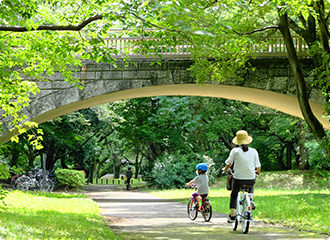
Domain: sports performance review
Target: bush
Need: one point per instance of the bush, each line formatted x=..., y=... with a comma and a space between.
x=70, y=178
x=175, y=170
x=316, y=157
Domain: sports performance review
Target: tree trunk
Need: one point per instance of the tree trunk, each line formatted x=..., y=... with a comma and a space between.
x=280, y=160
x=50, y=161
x=63, y=164
x=91, y=171
x=323, y=24
x=31, y=160
x=289, y=148
x=312, y=122
x=116, y=165
x=301, y=143
x=137, y=165
x=14, y=157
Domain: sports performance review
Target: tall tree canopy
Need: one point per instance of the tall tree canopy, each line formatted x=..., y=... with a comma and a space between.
x=38, y=38
x=220, y=32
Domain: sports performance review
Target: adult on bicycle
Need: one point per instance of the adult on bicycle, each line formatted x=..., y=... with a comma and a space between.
x=246, y=161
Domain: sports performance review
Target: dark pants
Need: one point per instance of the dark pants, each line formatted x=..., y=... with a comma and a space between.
x=195, y=194
x=236, y=187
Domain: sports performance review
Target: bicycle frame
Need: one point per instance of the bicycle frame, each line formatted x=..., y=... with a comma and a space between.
x=204, y=207
x=241, y=198
x=243, y=211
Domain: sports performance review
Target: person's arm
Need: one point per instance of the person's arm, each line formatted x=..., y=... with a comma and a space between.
x=257, y=163
x=190, y=183
x=258, y=171
x=229, y=162
x=225, y=169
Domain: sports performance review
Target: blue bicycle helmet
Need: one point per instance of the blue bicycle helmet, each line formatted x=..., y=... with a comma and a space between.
x=202, y=166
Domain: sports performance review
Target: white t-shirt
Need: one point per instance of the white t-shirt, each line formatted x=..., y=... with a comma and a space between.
x=245, y=163
x=202, y=182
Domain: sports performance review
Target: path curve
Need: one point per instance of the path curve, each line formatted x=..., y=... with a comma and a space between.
x=139, y=215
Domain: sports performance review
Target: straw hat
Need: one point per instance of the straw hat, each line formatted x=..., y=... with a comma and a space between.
x=242, y=137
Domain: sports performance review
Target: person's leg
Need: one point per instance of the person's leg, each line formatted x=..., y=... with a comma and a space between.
x=194, y=196
x=233, y=197
x=203, y=196
x=251, y=190
x=194, y=199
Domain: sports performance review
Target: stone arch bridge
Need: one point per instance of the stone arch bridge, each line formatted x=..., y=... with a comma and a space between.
x=270, y=85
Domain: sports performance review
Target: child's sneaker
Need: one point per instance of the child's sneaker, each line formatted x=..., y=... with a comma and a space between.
x=231, y=219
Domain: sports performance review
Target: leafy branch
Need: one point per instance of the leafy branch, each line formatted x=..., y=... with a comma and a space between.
x=256, y=30
x=53, y=27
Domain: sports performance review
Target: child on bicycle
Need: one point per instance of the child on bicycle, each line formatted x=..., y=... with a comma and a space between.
x=202, y=183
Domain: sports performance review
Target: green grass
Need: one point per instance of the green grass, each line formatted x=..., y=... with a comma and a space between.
x=290, y=180
x=307, y=210
x=51, y=216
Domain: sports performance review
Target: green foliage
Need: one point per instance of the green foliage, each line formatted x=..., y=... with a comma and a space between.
x=68, y=178
x=4, y=170
x=3, y=194
x=4, y=174
x=46, y=52
x=148, y=129
x=317, y=159
x=294, y=179
x=175, y=170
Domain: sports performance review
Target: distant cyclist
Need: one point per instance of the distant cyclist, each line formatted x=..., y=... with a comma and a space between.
x=246, y=161
x=129, y=174
x=202, y=182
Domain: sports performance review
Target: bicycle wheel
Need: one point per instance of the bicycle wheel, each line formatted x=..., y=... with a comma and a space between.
x=245, y=218
x=49, y=185
x=245, y=226
x=13, y=181
x=235, y=224
x=192, y=209
x=207, y=212
x=23, y=183
x=24, y=186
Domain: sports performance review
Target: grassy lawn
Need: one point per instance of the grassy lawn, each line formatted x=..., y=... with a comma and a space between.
x=307, y=210
x=51, y=216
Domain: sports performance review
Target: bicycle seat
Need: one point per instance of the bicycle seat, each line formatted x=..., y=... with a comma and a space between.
x=245, y=188
x=205, y=199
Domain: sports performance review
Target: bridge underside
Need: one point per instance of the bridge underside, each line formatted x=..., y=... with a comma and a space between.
x=281, y=102
x=284, y=103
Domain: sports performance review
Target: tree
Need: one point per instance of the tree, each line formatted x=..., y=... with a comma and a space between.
x=220, y=32
x=53, y=33
x=39, y=38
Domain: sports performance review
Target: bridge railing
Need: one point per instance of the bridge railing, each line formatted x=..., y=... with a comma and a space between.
x=132, y=46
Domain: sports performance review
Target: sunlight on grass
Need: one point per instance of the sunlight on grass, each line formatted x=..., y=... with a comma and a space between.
x=302, y=209
x=33, y=216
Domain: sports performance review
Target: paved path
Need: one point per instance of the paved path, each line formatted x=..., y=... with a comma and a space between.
x=137, y=215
